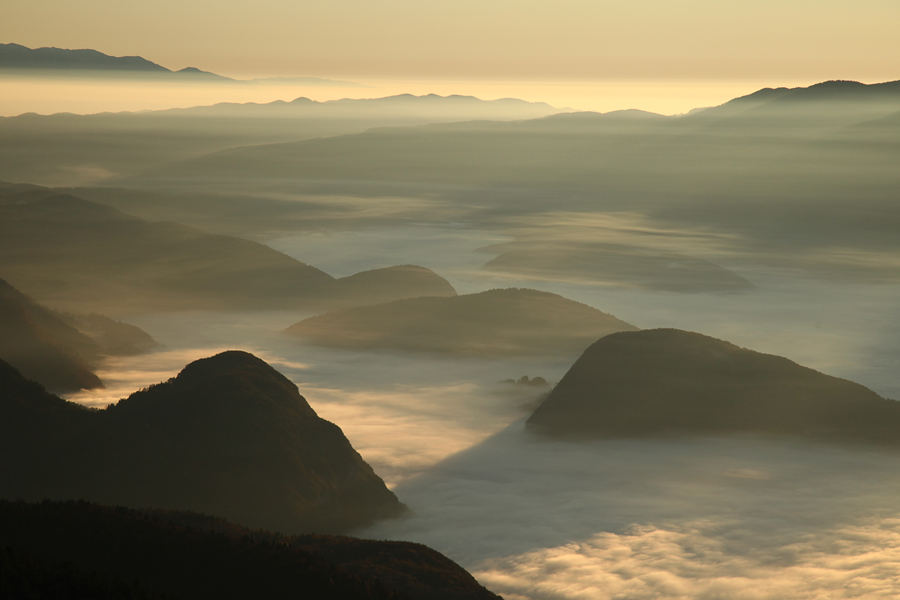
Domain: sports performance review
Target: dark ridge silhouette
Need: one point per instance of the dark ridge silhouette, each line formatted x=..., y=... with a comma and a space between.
x=15, y=56
x=189, y=556
x=671, y=382
x=59, y=349
x=18, y=57
x=493, y=323
x=43, y=346
x=228, y=436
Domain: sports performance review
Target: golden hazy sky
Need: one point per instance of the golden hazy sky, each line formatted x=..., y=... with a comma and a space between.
x=491, y=39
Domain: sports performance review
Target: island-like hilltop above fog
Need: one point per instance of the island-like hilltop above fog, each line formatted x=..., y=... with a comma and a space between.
x=664, y=382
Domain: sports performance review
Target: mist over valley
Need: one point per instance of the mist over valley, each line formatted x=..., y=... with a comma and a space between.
x=576, y=354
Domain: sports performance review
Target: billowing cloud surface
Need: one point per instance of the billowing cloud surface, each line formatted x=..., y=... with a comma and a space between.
x=714, y=518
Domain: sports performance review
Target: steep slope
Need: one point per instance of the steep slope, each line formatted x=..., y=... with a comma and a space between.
x=666, y=381
x=42, y=345
x=85, y=256
x=228, y=436
x=493, y=323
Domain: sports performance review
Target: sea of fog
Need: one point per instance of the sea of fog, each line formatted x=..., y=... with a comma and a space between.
x=538, y=519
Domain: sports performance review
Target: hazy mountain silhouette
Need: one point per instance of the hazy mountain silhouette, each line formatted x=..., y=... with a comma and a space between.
x=493, y=323
x=228, y=436
x=830, y=103
x=154, y=554
x=59, y=349
x=668, y=382
x=770, y=177
x=67, y=149
x=386, y=285
x=16, y=56
x=83, y=255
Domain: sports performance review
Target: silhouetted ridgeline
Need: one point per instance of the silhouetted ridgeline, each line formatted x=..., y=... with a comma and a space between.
x=228, y=436
x=86, y=256
x=18, y=57
x=58, y=349
x=666, y=381
x=119, y=553
x=493, y=323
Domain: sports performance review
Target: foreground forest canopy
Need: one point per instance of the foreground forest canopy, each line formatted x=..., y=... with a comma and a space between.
x=105, y=552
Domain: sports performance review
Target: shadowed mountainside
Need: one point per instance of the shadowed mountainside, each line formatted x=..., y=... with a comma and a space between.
x=189, y=556
x=666, y=381
x=493, y=323
x=80, y=255
x=228, y=436
x=58, y=349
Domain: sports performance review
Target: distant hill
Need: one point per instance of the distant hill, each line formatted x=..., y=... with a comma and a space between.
x=493, y=323
x=386, y=285
x=671, y=382
x=18, y=57
x=228, y=436
x=119, y=554
x=59, y=349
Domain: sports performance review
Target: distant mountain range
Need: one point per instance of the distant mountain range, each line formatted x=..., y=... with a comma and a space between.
x=15, y=56
x=664, y=382
x=229, y=436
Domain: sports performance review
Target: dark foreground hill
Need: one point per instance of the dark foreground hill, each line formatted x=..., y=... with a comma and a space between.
x=666, y=381
x=493, y=323
x=72, y=547
x=228, y=436
x=58, y=349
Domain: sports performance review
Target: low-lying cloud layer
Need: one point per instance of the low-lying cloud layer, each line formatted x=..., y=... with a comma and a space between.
x=710, y=518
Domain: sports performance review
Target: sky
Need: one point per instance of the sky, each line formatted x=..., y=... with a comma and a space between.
x=657, y=55
x=484, y=39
